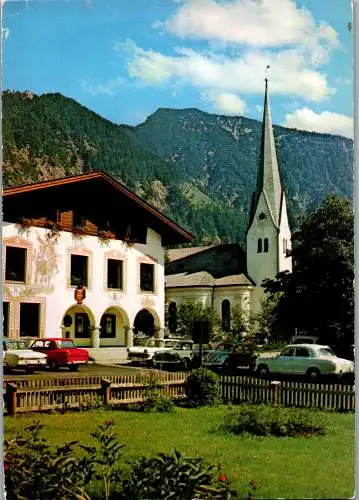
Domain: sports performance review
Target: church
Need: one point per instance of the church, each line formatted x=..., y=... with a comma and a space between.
x=225, y=276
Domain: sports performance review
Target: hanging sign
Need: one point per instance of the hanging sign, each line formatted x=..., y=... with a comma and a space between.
x=80, y=294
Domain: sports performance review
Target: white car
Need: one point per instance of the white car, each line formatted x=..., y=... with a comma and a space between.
x=17, y=356
x=312, y=360
x=145, y=348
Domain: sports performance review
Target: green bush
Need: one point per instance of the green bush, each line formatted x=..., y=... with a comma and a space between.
x=171, y=477
x=35, y=471
x=264, y=420
x=203, y=388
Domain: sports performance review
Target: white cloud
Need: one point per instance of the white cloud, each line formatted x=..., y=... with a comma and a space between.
x=242, y=74
x=327, y=121
x=229, y=104
x=5, y=33
x=109, y=88
x=260, y=23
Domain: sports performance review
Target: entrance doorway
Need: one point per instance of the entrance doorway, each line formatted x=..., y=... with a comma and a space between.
x=144, y=323
x=29, y=319
x=5, y=318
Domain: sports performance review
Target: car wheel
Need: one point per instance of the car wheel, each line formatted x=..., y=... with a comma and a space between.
x=313, y=374
x=29, y=370
x=74, y=368
x=263, y=371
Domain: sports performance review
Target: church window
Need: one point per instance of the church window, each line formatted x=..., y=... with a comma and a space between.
x=262, y=216
x=285, y=245
x=172, y=317
x=226, y=315
x=259, y=248
x=266, y=245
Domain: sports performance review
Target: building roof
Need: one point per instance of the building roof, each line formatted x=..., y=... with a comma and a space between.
x=99, y=192
x=268, y=174
x=182, y=253
x=201, y=278
x=204, y=279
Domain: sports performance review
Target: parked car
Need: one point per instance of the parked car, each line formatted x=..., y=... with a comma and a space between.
x=61, y=352
x=18, y=356
x=311, y=360
x=183, y=355
x=145, y=348
x=229, y=357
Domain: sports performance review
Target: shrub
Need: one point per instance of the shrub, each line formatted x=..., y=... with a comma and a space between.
x=170, y=476
x=264, y=420
x=202, y=388
x=34, y=471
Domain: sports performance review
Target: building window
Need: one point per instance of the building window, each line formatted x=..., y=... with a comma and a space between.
x=266, y=245
x=115, y=274
x=226, y=315
x=78, y=220
x=147, y=275
x=5, y=318
x=29, y=319
x=172, y=317
x=82, y=326
x=259, y=247
x=108, y=326
x=79, y=270
x=15, y=266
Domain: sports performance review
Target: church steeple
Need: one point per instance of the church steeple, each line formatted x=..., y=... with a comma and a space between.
x=268, y=174
x=268, y=236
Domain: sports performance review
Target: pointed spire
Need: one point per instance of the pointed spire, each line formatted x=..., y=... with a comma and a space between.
x=268, y=174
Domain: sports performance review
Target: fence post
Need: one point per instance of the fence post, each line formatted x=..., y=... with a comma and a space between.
x=106, y=390
x=11, y=401
x=276, y=386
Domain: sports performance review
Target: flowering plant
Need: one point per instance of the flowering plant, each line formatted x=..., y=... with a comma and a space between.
x=79, y=231
x=24, y=225
x=54, y=229
x=105, y=235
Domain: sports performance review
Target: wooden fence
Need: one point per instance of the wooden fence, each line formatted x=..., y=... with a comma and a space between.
x=288, y=393
x=34, y=395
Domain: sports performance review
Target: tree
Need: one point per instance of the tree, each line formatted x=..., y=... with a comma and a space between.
x=191, y=311
x=317, y=298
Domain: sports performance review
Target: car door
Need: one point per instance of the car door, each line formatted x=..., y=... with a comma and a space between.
x=301, y=360
x=284, y=362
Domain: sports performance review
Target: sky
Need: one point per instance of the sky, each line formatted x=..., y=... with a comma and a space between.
x=124, y=59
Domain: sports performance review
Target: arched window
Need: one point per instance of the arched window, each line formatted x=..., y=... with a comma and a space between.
x=259, y=248
x=265, y=245
x=172, y=317
x=285, y=245
x=226, y=315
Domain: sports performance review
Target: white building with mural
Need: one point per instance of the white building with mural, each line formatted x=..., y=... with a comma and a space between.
x=83, y=257
x=224, y=276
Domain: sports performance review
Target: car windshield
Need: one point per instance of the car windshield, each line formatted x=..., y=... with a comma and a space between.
x=326, y=351
x=15, y=346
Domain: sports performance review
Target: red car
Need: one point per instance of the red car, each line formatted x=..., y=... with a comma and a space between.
x=61, y=352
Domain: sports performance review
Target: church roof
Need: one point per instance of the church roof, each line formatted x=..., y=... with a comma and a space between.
x=204, y=279
x=268, y=173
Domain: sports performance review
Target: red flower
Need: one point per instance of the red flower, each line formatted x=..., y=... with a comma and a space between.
x=223, y=478
x=108, y=422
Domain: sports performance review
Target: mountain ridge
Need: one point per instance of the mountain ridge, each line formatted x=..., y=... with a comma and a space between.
x=198, y=168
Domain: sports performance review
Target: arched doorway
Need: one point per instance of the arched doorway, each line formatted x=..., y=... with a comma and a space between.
x=113, y=325
x=78, y=323
x=144, y=323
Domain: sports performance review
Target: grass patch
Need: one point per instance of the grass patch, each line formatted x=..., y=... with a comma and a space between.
x=315, y=467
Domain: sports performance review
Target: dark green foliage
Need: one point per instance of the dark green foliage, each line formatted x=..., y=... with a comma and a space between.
x=203, y=387
x=318, y=297
x=199, y=169
x=264, y=420
x=35, y=471
x=105, y=456
x=168, y=477
x=192, y=311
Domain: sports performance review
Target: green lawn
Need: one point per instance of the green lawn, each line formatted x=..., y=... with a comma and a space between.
x=291, y=468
